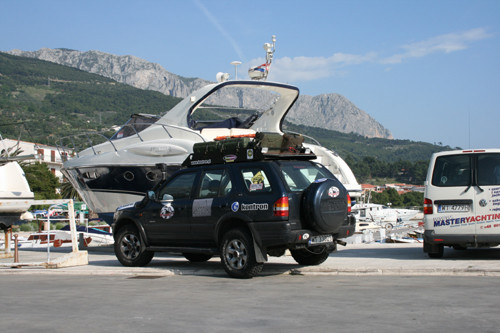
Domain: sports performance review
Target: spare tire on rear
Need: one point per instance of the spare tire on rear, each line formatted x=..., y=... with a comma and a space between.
x=324, y=205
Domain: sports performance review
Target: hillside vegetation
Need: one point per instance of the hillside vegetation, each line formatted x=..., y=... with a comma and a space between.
x=54, y=101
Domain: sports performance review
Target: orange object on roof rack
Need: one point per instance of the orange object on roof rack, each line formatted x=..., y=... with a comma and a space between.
x=225, y=137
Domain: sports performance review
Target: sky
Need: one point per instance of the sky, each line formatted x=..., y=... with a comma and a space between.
x=426, y=70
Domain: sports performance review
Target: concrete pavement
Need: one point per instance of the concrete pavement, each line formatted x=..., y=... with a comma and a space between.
x=354, y=259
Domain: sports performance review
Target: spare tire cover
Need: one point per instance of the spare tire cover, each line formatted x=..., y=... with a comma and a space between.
x=324, y=205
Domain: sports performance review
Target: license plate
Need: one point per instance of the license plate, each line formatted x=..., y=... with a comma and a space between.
x=453, y=208
x=321, y=239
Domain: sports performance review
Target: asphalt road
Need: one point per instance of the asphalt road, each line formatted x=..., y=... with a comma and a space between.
x=276, y=303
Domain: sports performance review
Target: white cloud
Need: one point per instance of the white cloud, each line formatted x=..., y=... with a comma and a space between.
x=440, y=44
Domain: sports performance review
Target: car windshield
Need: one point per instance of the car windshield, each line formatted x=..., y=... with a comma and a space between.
x=300, y=174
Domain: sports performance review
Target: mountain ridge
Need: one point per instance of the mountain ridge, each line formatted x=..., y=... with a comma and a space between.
x=329, y=111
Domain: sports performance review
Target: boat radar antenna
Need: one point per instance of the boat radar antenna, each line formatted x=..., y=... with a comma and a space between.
x=261, y=72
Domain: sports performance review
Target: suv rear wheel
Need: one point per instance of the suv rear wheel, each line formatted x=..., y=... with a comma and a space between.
x=238, y=254
x=310, y=257
x=129, y=248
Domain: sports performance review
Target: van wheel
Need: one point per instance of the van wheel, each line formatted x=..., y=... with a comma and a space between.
x=434, y=251
x=129, y=248
x=238, y=254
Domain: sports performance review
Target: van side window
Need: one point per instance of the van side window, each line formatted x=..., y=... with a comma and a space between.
x=452, y=170
x=488, y=169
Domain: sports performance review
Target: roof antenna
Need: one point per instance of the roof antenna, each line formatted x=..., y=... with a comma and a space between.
x=235, y=64
x=261, y=72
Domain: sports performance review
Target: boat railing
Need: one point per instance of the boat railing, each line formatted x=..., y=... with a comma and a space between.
x=316, y=142
x=69, y=145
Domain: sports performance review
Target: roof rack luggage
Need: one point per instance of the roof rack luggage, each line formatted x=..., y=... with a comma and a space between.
x=249, y=147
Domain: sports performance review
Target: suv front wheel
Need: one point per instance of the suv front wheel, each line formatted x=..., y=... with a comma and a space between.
x=129, y=248
x=238, y=254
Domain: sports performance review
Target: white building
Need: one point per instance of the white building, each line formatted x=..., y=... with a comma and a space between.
x=45, y=154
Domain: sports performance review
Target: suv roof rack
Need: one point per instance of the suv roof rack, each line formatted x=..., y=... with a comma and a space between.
x=250, y=147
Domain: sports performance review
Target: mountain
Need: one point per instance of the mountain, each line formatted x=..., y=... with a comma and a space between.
x=334, y=111
x=328, y=111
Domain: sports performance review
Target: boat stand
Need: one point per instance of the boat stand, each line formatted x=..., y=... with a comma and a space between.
x=74, y=258
x=7, y=252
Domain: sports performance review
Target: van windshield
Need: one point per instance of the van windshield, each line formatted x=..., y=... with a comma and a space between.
x=463, y=169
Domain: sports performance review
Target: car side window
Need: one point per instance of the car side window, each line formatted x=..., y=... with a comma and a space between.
x=256, y=180
x=211, y=184
x=180, y=187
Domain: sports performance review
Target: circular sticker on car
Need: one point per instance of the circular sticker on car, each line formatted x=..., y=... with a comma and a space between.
x=235, y=206
x=167, y=212
x=333, y=192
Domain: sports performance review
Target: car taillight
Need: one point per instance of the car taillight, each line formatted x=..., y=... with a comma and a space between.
x=280, y=207
x=428, y=206
x=348, y=203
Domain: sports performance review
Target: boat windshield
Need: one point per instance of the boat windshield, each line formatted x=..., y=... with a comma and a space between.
x=136, y=124
x=233, y=107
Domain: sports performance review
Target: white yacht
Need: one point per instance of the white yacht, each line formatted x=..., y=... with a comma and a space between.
x=124, y=167
x=382, y=215
x=15, y=194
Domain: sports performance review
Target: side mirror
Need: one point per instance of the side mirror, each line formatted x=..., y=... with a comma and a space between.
x=167, y=198
x=151, y=195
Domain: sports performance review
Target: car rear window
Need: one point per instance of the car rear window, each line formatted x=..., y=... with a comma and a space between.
x=256, y=180
x=488, y=169
x=299, y=175
x=452, y=170
x=460, y=170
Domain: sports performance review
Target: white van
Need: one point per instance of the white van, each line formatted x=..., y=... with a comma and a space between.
x=462, y=200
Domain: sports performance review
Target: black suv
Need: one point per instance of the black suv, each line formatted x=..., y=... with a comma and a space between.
x=242, y=211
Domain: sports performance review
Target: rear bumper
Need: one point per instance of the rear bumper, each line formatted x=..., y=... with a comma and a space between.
x=277, y=233
x=465, y=240
x=347, y=228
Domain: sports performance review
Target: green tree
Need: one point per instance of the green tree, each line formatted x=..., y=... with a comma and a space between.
x=411, y=199
x=388, y=196
x=69, y=192
x=42, y=182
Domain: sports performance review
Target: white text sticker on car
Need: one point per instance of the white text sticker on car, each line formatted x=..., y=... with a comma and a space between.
x=202, y=207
